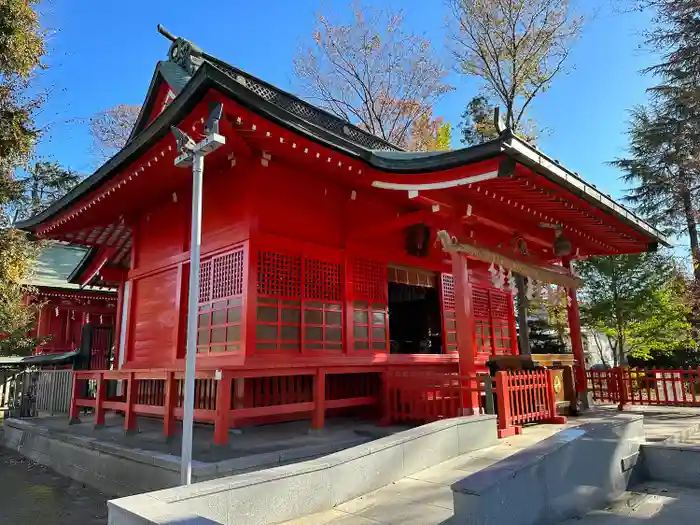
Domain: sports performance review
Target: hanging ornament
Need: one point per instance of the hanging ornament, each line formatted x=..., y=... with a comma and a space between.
x=512, y=284
x=501, y=277
x=100, y=319
x=493, y=272
x=56, y=310
x=87, y=318
x=72, y=315
x=494, y=275
x=530, y=289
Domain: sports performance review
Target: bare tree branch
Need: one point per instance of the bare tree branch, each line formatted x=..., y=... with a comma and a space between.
x=372, y=72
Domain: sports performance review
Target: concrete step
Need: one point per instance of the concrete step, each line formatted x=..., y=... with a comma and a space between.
x=652, y=503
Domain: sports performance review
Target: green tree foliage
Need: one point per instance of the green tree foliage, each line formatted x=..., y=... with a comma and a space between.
x=477, y=124
x=515, y=47
x=636, y=301
x=42, y=184
x=372, y=71
x=444, y=137
x=21, y=50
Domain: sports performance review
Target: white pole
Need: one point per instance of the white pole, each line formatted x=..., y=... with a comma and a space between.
x=192, y=313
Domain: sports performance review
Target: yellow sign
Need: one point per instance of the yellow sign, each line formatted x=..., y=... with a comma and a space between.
x=557, y=384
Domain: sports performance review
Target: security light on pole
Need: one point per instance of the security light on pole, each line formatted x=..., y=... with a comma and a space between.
x=192, y=154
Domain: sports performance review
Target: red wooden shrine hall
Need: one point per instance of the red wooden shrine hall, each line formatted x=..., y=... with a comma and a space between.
x=319, y=241
x=67, y=313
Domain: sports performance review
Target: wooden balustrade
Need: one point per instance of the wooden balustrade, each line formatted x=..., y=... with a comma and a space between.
x=416, y=396
x=525, y=396
x=226, y=400
x=641, y=386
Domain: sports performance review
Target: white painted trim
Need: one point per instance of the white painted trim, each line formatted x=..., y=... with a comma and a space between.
x=435, y=185
x=122, y=326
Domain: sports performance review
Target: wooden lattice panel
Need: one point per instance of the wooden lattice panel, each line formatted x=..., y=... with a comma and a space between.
x=205, y=282
x=227, y=278
x=369, y=280
x=279, y=275
x=480, y=298
x=500, y=305
x=448, y=291
x=322, y=280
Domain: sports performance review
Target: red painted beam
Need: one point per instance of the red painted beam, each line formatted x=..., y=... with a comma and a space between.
x=112, y=274
x=95, y=265
x=400, y=222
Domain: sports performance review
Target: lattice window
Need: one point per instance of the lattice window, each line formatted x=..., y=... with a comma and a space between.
x=221, y=303
x=279, y=275
x=480, y=298
x=321, y=280
x=205, y=281
x=500, y=304
x=369, y=280
x=448, y=291
x=219, y=326
x=482, y=329
x=449, y=320
x=323, y=326
x=502, y=338
x=370, y=328
x=227, y=278
x=278, y=324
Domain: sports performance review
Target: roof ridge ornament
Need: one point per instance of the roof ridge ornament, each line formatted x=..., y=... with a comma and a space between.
x=183, y=52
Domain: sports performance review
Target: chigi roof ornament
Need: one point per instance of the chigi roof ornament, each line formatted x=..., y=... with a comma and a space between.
x=182, y=52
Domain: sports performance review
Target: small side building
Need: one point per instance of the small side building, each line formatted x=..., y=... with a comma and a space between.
x=71, y=316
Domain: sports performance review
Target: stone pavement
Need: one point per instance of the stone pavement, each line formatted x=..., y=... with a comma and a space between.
x=251, y=440
x=653, y=503
x=31, y=494
x=425, y=498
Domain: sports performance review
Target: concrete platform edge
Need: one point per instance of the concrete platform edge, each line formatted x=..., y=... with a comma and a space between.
x=292, y=491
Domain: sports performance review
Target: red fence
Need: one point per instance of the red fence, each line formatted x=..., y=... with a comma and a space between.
x=639, y=386
x=415, y=396
x=525, y=396
x=226, y=401
x=232, y=398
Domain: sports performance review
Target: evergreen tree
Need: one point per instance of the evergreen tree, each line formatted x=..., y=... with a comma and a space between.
x=477, y=124
x=41, y=185
x=21, y=50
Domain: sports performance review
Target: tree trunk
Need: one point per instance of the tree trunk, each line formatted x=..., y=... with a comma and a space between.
x=690, y=217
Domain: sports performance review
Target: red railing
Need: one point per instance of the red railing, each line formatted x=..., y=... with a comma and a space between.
x=226, y=398
x=640, y=386
x=525, y=396
x=414, y=396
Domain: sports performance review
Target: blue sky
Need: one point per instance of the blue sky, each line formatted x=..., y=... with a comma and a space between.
x=103, y=53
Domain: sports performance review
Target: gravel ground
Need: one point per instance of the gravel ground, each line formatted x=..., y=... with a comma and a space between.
x=31, y=494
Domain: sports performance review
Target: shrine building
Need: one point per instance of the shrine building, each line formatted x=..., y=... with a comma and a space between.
x=326, y=251
x=69, y=313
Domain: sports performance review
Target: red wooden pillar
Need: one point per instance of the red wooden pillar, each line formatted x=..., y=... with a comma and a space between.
x=129, y=414
x=464, y=313
x=575, y=331
x=99, y=401
x=223, y=406
x=170, y=403
x=319, y=400
x=75, y=393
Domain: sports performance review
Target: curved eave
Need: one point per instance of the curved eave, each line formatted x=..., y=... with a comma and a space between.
x=211, y=77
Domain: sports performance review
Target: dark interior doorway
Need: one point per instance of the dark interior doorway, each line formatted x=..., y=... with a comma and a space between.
x=414, y=319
